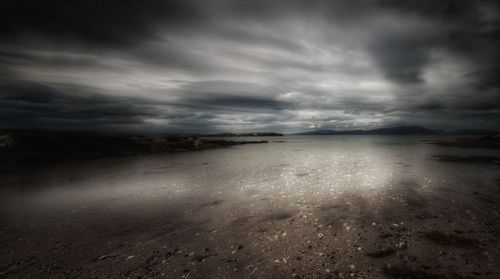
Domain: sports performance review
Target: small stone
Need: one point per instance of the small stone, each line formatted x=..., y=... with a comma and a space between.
x=103, y=257
x=402, y=245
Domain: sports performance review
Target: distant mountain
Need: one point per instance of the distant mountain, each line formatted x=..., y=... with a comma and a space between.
x=403, y=130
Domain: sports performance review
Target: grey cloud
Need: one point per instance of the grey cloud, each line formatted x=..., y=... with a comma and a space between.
x=31, y=105
x=245, y=65
x=401, y=60
x=107, y=22
x=234, y=103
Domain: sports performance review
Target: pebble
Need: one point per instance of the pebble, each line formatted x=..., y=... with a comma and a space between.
x=402, y=245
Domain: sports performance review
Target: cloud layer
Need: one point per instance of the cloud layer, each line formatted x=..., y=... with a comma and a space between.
x=209, y=66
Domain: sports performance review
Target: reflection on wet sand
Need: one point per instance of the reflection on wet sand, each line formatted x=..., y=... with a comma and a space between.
x=339, y=208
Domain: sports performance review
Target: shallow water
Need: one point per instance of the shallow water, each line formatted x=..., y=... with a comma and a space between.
x=270, y=201
x=301, y=169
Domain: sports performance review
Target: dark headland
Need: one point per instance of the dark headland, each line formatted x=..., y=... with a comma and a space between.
x=28, y=146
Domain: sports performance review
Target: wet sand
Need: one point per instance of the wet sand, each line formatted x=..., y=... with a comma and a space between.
x=381, y=209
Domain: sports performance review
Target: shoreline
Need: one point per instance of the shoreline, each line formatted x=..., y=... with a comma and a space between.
x=32, y=147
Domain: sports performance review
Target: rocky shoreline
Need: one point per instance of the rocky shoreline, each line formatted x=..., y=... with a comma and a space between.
x=49, y=146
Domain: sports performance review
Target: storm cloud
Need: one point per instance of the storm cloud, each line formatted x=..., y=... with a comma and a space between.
x=285, y=66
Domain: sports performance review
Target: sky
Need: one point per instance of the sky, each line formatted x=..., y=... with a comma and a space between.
x=243, y=66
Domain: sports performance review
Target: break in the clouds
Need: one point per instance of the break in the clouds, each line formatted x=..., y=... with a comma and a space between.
x=208, y=66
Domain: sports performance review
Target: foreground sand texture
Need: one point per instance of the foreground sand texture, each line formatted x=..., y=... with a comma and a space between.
x=309, y=207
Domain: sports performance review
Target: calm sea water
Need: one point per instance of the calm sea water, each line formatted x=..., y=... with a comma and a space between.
x=287, y=170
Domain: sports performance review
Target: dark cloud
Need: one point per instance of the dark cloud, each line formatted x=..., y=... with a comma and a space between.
x=108, y=22
x=30, y=105
x=245, y=65
x=487, y=78
x=430, y=105
x=401, y=59
x=234, y=103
